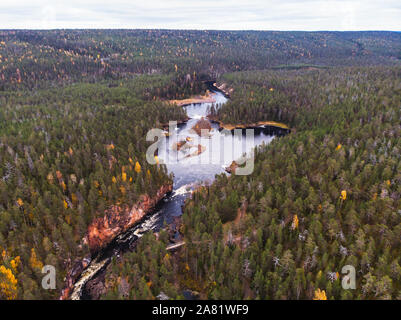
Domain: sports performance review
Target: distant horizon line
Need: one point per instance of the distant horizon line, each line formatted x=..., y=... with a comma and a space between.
x=183, y=29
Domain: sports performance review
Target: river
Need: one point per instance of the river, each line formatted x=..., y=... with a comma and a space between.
x=188, y=172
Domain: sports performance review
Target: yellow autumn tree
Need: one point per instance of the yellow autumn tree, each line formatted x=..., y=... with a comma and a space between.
x=122, y=189
x=34, y=261
x=343, y=195
x=124, y=176
x=74, y=198
x=339, y=146
x=8, y=284
x=15, y=263
x=320, y=295
x=137, y=167
x=20, y=202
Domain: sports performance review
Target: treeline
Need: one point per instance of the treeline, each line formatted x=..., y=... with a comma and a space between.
x=301, y=98
x=43, y=58
x=319, y=199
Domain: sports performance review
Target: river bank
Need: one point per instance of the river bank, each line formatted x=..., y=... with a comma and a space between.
x=208, y=97
x=101, y=237
x=250, y=125
x=119, y=229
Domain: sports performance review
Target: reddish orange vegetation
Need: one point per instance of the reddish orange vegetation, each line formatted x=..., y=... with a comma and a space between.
x=201, y=125
x=119, y=219
x=178, y=145
x=103, y=230
x=232, y=167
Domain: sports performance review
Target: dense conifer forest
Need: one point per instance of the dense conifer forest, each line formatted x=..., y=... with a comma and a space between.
x=75, y=107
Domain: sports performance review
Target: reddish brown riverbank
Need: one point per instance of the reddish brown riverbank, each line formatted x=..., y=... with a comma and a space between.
x=102, y=231
x=119, y=219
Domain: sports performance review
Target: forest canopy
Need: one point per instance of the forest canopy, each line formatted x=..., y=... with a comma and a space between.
x=75, y=107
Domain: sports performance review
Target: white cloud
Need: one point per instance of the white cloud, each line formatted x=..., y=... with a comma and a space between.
x=205, y=14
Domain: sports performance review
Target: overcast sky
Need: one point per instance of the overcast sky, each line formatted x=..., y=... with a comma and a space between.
x=203, y=14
